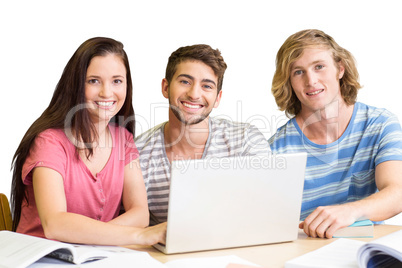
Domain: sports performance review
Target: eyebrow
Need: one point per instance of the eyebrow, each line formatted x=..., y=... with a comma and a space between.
x=313, y=63
x=97, y=76
x=205, y=80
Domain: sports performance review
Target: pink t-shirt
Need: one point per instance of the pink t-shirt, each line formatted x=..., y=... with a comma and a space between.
x=97, y=197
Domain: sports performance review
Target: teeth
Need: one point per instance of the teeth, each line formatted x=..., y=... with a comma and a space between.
x=104, y=103
x=315, y=92
x=191, y=106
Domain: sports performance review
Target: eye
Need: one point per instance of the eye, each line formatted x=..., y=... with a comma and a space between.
x=184, y=82
x=319, y=67
x=208, y=87
x=93, y=81
x=298, y=72
x=117, y=81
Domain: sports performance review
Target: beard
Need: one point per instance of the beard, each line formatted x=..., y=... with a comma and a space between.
x=195, y=119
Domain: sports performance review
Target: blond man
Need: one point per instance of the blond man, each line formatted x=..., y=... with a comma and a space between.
x=354, y=166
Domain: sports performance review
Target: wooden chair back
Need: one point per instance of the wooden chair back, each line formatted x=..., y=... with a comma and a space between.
x=6, y=221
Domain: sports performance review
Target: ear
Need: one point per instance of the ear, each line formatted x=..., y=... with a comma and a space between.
x=165, y=88
x=341, y=71
x=218, y=99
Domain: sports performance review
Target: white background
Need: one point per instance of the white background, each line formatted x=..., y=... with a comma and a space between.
x=39, y=37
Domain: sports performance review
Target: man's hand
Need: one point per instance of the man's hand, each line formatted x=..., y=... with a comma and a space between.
x=324, y=221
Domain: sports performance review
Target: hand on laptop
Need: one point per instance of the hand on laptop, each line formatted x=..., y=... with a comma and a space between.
x=324, y=221
x=154, y=234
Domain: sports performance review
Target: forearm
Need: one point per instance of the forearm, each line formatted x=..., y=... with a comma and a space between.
x=65, y=226
x=381, y=205
x=387, y=202
x=134, y=198
x=75, y=228
x=135, y=217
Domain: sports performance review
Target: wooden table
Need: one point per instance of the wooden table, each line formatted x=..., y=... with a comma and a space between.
x=273, y=255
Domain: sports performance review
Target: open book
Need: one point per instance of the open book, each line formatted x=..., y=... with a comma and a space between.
x=382, y=252
x=144, y=260
x=20, y=251
x=385, y=251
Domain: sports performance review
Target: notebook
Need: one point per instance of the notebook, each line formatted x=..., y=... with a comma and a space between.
x=220, y=203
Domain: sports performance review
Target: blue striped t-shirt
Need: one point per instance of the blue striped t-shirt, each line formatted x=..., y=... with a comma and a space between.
x=343, y=171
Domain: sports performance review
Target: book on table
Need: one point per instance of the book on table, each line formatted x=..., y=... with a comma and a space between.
x=364, y=228
x=20, y=251
x=385, y=251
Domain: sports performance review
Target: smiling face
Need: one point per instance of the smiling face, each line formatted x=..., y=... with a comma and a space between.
x=105, y=87
x=192, y=92
x=315, y=79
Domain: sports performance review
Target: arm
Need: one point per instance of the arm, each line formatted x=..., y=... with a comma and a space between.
x=254, y=142
x=134, y=198
x=385, y=203
x=61, y=225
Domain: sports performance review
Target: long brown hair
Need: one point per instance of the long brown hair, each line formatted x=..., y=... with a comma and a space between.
x=70, y=92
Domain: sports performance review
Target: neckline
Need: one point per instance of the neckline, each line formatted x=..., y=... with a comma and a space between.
x=162, y=130
x=96, y=176
x=335, y=143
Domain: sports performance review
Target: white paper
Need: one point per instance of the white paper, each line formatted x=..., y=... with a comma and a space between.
x=340, y=253
x=120, y=260
x=210, y=262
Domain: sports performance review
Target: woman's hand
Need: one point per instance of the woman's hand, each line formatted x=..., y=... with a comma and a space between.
x=153, y=235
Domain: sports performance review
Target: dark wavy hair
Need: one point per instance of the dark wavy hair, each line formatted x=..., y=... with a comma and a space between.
x=70, y=92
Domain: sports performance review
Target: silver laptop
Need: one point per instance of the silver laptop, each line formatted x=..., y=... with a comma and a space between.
x=234, y=202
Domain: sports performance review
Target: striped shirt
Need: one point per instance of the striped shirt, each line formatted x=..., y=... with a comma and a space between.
x=225, y=139
x=343, y=171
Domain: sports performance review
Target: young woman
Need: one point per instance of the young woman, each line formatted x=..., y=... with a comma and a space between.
x=77, y=163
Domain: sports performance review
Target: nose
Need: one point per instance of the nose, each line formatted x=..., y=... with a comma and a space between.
x=310, y=79
x=194, y=92
x=106, y=91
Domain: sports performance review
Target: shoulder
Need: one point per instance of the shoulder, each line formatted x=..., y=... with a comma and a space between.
x=286, y=130
x=237, y=138
x=53, y=136
x=234, y=131
x=51, y=148
x=150, y=138
x=368, y=112
x=53, y=133
x=241, y=134
x=375, y=118
x=288, y=138
x=381, y=128
x=220, y=124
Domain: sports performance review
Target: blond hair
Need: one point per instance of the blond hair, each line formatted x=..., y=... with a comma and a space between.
x=292, y=50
